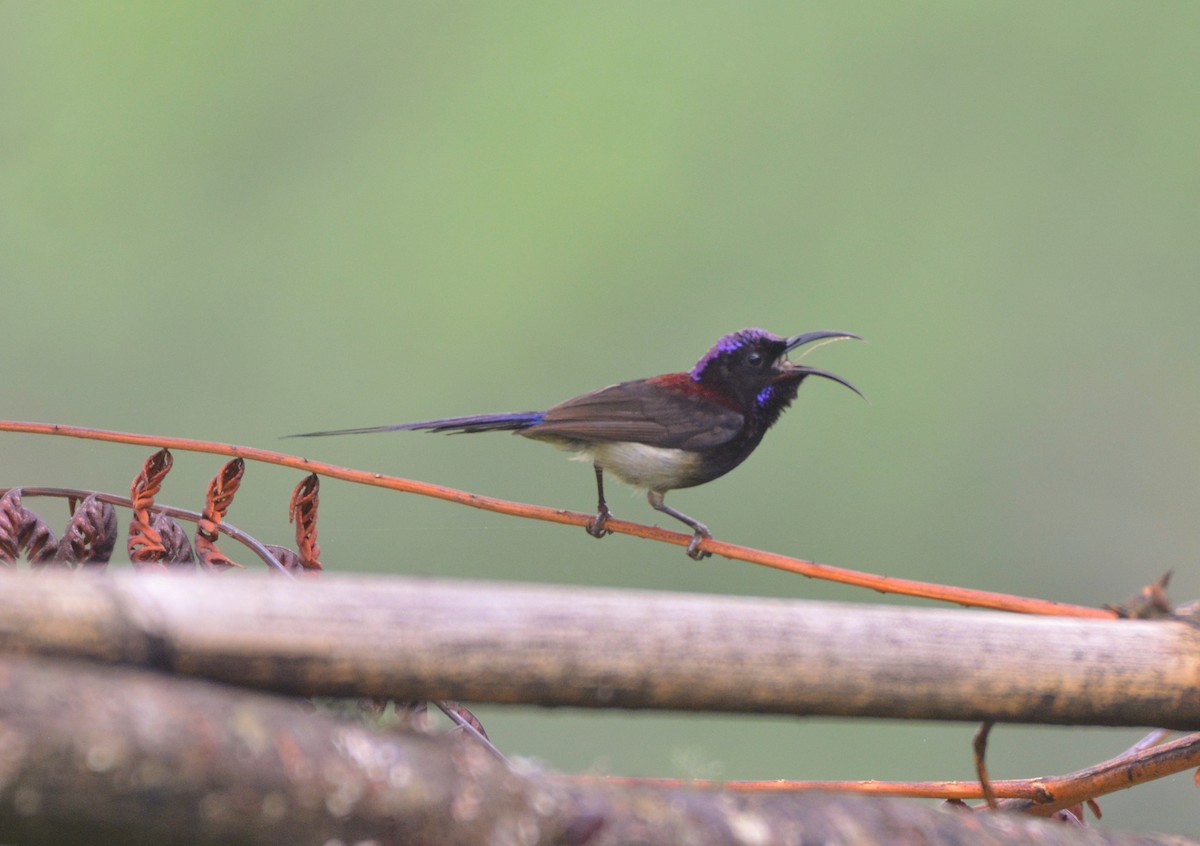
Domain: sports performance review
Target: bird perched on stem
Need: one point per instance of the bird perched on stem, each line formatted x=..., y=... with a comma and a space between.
x=673, y=431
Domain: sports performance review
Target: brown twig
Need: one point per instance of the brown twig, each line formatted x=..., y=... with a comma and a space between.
x=179, y=555
x=1150, y=603
x=266, y=552
x=1120, y=773
x=91, y=535
x=145, y=544
x=303, y=512
x=1041, y=796
x=883, y=584
x=979, y=744
x=21, y=530
x=220, y=495
x=468, y=724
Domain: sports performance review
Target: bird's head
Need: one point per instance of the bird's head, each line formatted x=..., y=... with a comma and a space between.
x=752, y=367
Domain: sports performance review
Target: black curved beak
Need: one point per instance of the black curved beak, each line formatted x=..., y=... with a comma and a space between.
x=823, y=335
x=792, y=370
x=804, y=370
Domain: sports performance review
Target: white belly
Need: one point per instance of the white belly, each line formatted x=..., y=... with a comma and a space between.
x=646, y=467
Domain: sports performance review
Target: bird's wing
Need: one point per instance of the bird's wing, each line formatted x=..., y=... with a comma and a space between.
x=654, y=412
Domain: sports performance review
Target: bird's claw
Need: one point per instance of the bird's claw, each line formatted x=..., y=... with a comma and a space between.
x=596, y=526
x=693, y=549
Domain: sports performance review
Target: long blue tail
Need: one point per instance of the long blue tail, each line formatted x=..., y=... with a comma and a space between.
x=454, y=425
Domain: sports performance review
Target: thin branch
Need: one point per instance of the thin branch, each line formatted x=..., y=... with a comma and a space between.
x=1120, y=773
x=979, y=744
x=884, y=584
x=1041, y=796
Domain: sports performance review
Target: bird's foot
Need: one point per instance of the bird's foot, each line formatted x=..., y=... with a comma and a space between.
x=596, y=526
x=693, y=549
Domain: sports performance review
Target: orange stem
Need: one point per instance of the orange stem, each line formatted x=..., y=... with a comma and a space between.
x=811, y=569
x=1047, y=794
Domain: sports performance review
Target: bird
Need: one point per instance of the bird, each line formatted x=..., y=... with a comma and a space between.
x=677, y=430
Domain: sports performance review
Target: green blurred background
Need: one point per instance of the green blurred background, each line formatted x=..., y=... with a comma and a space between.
x=233, y=222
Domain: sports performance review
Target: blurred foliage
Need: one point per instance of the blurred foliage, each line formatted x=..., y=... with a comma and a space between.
x=236, y=221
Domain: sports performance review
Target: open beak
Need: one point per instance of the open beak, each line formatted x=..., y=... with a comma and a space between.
x=790, y=370
x=823, y=335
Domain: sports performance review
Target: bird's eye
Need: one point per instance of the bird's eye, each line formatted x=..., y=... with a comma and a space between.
x=754, y=359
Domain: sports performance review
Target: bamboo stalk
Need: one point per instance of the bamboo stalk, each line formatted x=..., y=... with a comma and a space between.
x=558, y=646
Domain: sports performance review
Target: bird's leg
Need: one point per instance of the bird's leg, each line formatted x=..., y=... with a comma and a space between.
x=699, y=529
x=595, y=526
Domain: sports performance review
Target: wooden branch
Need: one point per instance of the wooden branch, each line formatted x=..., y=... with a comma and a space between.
x=97, y=754
x=92, y=754
x=506, y=643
